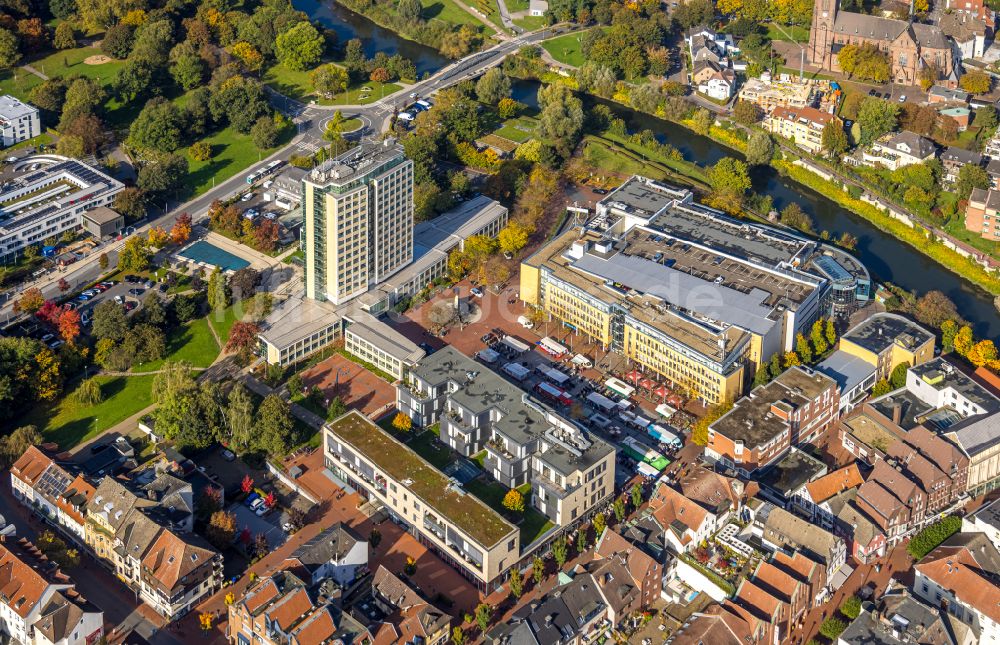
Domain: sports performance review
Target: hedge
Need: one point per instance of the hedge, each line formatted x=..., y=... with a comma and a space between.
x=930, y=537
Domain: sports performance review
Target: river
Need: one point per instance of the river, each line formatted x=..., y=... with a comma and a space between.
x=887, y=258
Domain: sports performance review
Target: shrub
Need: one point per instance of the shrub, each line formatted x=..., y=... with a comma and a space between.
x=930, y=537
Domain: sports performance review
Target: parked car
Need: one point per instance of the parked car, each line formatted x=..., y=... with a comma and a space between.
x=109, y=283
x=257, y=503
x=902, y=98
x=600, y=191
x=476, y=291
x=251, y=498
x=131, y=279
x=135, y=292
x=85, y=319
x=262, y=509
x=129, y=306
x=247, y=197
x=119, y=299
x=83, y=297
x=149, y=284
x=56, y=344
x=47, y=337
x=228, y=455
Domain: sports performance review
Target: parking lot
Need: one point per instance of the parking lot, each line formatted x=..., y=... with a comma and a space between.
x=498, y=317
x=269, y=525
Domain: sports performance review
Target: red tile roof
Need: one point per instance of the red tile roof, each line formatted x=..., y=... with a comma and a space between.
x=834, y=483
x=957, y=570
x=31, y=465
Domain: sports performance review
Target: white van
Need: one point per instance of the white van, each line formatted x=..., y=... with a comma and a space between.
x=524, y=322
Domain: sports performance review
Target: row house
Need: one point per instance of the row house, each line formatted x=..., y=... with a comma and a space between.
x=630, y=578
x=801, y=125
x=409, y=618
x=280, y=609
x=718, y=625
x=573, y=614
x=818, y=497
x=39, y=604
x=781, y=530
x=685, y=523
x=954, y=159
x=899, y=617
x=722, y=496
x=38, y=481
x=865, y=539
x=962, y=576
x=796, y=407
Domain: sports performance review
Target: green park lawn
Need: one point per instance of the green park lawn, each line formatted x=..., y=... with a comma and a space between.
x=566, y=49
x=448, y=11
x=192, y=343
x=68, y=423
x=223, y=321
x=232, y=153
x=18, y=82
x=513, y=6
x=531, y=23
x=69, y=62
x=793, y=33
x=517, y=130
x=297, y=85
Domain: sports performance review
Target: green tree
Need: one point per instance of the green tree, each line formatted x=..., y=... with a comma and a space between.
x=561, y=117
x=830, y=332
x=559, y=551
x=775, y=366
x=882, y=387
x=409, y=9
x=975, y=82
x=932, y=536
x=851, y=607
x=746, y=112
x=761, y=376
x=131, y=203
x=264, y=133
x=88, y=392
x=240, y=418
x=619, y=509
x=516, y=583
x=109, y=321
x=834, y=139
x=986, y=118
x=599, y=524
x=329, y=79
x=818, y=337
x=876, y=117
x=492, y=86
x=187, y=67
x=793, y=215
x=65, y=37
x=163, y=174
x=10, y=54
x=730, y=180
x=832, y=627
x=760, y=149
x=803, y=349
x=702, y=121
x=457, y=635
x=949, y=329
x=273, y=427
x=484, y=614
x=159, y=126
x=218, y=291
x=971, y=176
x=636, y=494
x=13, y=445
x=134, y=256
x=537, y=569
x=300, y=47
x=336, y=409
x=898, y=377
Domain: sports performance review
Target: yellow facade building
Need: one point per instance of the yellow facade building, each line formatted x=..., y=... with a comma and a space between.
x=887, y=340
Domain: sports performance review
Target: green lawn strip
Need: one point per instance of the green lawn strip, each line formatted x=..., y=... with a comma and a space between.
x=232, y=153
x=448, y=11
x=514, y=6
x=222, y=321
x=362, y=94
x=298, y=255
x=350, y=125
x=297, y=85
x=532, y=523
x=385, y=376
x=514, y=134
x=565, y=49
x=531, y=23
x=192, y=343
x=682, y=166
x=440, y=455
x=18, y=82
x=69, y=62
x=68, y=423
x=44, y=139
x=793, y=33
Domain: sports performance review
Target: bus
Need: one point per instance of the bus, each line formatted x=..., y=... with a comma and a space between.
x=553, y=393
x=265, y=171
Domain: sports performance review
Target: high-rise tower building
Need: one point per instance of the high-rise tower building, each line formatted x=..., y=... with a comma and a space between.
x=358, y=221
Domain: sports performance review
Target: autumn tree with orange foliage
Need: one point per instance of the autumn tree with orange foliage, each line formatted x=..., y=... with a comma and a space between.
x=181, y=230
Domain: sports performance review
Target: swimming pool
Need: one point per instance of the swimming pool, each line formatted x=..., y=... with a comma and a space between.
x=202, y=251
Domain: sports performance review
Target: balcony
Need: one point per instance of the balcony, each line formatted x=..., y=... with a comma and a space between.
x=552, y=487
x=500, y=449
x=416, y=392
x=434, y=527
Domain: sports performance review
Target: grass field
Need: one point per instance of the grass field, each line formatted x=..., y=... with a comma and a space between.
x=68, y=423
x=513, y=6
x=70, y=62
x=192, y=343
x=531, y=23
x=223, y=321
x=232, y=153
x=517, y=130
x=566, y=49
x=448, y=11
x=791, y=32
x=297, y=85
x=532, y=524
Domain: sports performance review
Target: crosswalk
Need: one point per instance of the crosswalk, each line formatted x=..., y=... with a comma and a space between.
x=308, y=146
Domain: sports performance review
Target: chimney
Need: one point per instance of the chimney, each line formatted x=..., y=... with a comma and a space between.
x=897, y=413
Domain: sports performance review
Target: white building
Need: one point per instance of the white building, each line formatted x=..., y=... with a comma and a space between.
x=18, y=121
x=36, y=205
x=38, y=604
x=335, y=553
x=985, y=520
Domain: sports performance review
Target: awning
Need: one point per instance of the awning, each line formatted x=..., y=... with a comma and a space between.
x=662, y=391
x=634, y=376
x=552, y=347
x=646, y=384
x=619, y=386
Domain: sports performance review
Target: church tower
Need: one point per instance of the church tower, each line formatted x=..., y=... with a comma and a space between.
x=821, y=35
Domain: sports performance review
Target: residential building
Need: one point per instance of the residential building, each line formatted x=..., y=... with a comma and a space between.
x=894, y=151
x=960, y=114
x=18, y=121
x=818, y=494
x=982, y=215
x=717, y=624
x=537, y=7
x=685, y=523
x=805, y=569
x=526, y=441
x=409, y=618
x=954, y=159
x=301, y=325
x=986, y=520
x=336, y=553
x=970, y=33
x=627, y=279
x=855, y=377
x=910, y=46
x=705, y=43
x=776, y=598
x=643, y=571
x=38, y=481
x=942, y=94
x=704, y=70
x=144, y=535
x=719, y=85
x=280, y=609
x=49, y=201
x=961, y=575
x=467, y=533
x=782, y=530
x=979, y=439
x=796, y=407
x=770, y=94
x=39, y=604
x=784, y=481
x=865, y=539
x=573, y=614
x=886, y=340
x=901, y=618
x=802, y=125
x=722, y=496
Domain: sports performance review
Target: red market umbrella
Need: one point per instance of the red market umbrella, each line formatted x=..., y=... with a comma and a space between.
x=662, y=391
x=633, y=376
x=646, y=384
